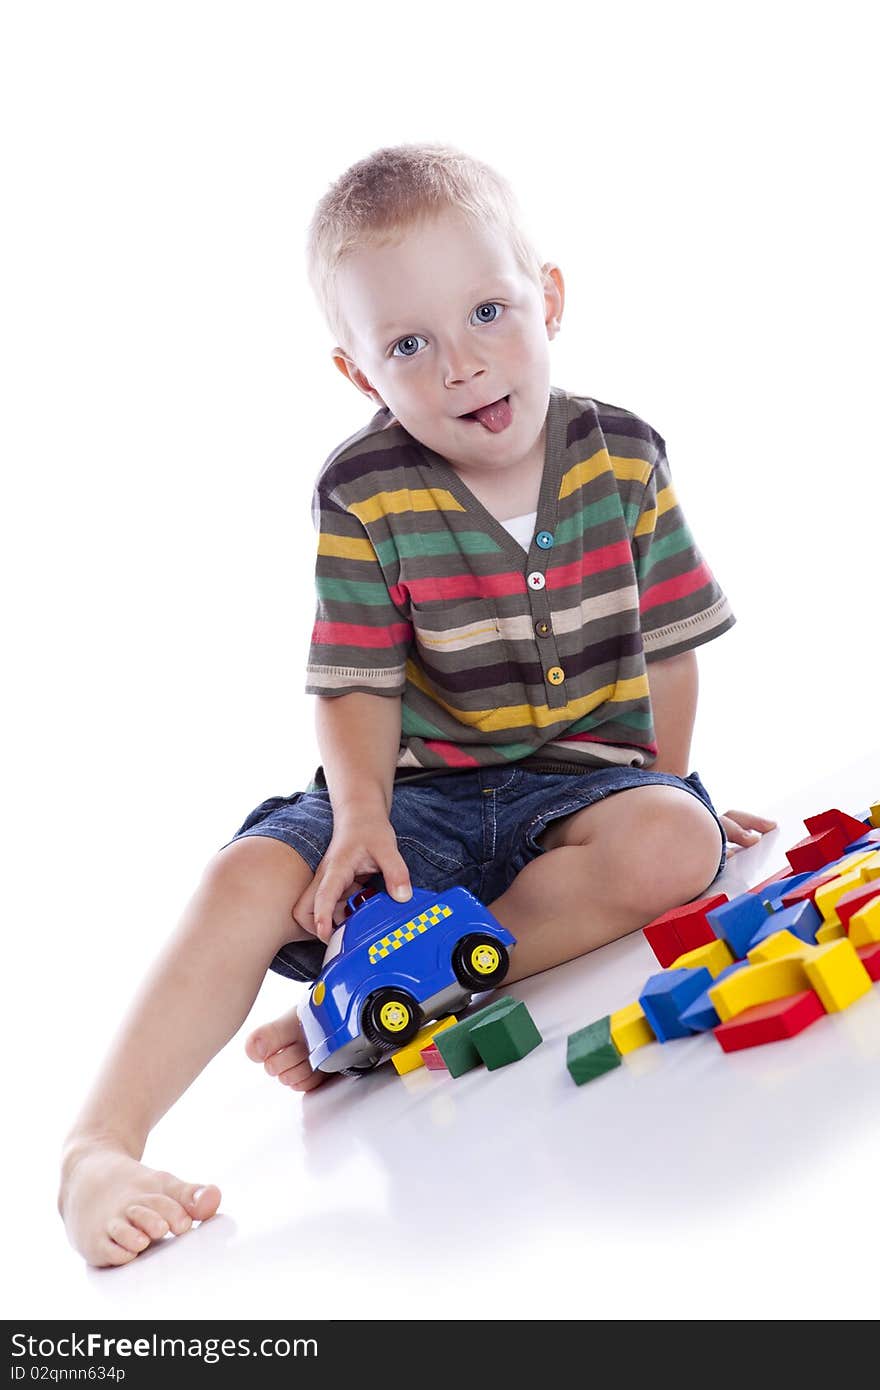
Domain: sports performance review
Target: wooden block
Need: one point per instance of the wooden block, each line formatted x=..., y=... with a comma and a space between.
x=738, y=921
x=664, y=996
x=455, y=1046
x=828, y=893
x=630, y=1029
x=779, y=943
x=591, y=1051
x=770, y=1022
x=505, y=1036
x=816, y=850
x=802, y=919
x=757, y=984
x=837, y=975
x=850, y=828
x=829, y=931
x=870, y=958
x=408, y=1058
x=432, y=1058
x=864, y=925
x=681, y=928
x=856, y=899
x=874, y=814
x=716, y=955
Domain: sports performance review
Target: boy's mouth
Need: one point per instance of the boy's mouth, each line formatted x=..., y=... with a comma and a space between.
x=495, y=416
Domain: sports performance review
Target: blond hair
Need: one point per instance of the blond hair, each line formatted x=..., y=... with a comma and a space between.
x=390, y=191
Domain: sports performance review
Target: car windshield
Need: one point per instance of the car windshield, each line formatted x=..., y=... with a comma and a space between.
x=334, y=946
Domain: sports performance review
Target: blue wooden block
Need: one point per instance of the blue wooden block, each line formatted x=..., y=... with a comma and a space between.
x=801, y=919
x=701, y=1015
x=667, y=993
x=737, y=921
x=772, y=894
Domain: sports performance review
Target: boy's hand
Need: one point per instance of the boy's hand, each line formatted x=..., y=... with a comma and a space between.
x=362, y=845
x=743, y=829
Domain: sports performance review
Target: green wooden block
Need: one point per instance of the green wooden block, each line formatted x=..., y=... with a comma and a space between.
x=506, y=1035
x=454, y=1044
x=591, y=1051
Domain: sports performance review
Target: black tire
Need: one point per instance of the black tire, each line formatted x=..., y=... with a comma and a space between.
x=466, y=971
x=382, y=1031
x=359, y=1071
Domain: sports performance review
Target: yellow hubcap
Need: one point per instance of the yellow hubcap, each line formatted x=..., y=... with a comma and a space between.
x=394, y=1016
x=485, y=959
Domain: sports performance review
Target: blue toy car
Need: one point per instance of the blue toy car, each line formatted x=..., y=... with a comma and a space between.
x=390, y=967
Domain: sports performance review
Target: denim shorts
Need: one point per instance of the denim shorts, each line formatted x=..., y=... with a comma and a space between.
x=474, y=829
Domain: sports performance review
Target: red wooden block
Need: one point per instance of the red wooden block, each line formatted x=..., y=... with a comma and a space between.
x=856, y=898
x=817, y=850
x=667, y=935
x=771, y=1022
x=851, y=828
x=430, y=1055
x=870, y=957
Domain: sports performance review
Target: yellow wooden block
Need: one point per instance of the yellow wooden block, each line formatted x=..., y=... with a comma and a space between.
x=630, y=1029
x=874, y=817
x=870, y=868
x=829, y=931
x=828, y=895
x=864, y=925
x=409, y=1057
x=714, y=955
x=837, y=975
x=757, y=984
x=781, y=943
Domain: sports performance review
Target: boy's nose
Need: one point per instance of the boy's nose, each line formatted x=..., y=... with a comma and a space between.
x=462, y=369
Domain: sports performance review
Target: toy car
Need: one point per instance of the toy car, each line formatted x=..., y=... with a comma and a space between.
x=392, y=966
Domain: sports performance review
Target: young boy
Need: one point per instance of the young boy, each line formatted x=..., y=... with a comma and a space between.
x=509, y=599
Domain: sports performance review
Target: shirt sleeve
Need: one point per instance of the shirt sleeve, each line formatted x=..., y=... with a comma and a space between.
x=681, y=604
x=362, y=631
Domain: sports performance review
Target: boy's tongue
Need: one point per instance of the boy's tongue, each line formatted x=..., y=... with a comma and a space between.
x=495, y=417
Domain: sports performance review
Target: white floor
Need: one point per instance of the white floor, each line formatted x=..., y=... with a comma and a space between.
x=686, y=1183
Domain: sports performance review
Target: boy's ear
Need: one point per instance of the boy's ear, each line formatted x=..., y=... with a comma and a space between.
x=554, y=297
x=350, y=369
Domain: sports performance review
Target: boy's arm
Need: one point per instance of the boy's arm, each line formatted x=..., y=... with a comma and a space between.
x=359, y=740
x=674, y=684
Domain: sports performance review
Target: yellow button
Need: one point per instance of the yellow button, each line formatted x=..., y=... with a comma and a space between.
x=556, y=675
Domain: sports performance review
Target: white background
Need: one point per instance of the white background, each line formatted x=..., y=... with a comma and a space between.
x=705, y=180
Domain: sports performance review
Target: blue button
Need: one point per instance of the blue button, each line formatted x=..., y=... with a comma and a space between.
x=544, y=539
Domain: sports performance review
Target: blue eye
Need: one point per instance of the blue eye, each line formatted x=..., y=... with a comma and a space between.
x=403, y=343
x=498, y=308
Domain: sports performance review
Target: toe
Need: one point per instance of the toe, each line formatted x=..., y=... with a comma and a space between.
x=269, y=1037
x=293, y=1056
x=148, y=1220
x=198, y=1201
x=129, y=1237
x=203, y=1202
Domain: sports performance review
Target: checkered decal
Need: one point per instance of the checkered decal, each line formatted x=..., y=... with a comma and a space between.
x=409, y=931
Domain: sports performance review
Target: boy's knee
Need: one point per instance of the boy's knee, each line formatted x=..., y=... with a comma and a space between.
x=669, y=851
x=257, y=866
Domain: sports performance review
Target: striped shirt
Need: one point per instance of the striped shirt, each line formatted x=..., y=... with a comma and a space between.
x=503, y=655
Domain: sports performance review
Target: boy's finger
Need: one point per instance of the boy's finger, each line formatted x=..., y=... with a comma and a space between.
x=397, y=880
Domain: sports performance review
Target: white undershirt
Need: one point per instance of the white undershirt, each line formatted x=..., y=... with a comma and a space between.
x=522, y=528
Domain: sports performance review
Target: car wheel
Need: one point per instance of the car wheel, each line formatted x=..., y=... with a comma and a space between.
x=480, y=962
x=359, y=1071
x=391, y=1017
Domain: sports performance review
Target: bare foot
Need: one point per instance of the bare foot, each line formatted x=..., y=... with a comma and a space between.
x=281, y=1047
x=114, y=1208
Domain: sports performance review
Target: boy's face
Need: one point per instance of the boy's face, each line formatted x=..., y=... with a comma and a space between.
x=445, y=321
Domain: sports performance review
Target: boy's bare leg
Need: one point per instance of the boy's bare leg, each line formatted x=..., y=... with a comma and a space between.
x=196, y=997
x=607, y=871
